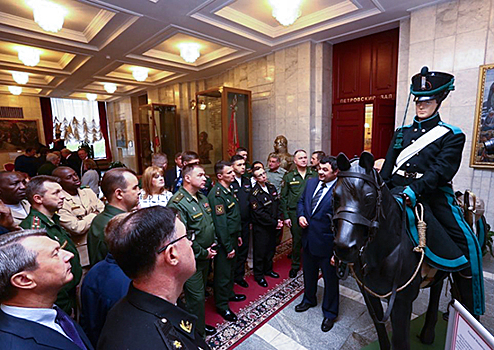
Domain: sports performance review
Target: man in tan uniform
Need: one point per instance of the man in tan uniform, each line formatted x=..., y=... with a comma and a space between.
x=79, y=209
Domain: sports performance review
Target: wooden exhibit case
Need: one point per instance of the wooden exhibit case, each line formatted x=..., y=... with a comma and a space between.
x=224, y=123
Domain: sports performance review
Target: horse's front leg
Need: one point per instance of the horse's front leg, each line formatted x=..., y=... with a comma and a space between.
x=400, y=323
x=376, y=312
x=428, y=334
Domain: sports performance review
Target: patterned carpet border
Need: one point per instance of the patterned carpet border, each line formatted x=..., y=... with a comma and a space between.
x=259, y=311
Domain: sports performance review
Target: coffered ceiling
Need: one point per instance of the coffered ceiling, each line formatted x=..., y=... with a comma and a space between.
x=104, y=40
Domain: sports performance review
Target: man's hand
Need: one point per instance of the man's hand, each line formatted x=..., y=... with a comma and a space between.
x=6, y=219
x=240, y=241
x=302, y=221
x=211, y=252
x=231, y=255
x=288, y=223
x=280, y=224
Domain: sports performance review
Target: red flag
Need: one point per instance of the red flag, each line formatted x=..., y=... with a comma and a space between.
x=233, y=143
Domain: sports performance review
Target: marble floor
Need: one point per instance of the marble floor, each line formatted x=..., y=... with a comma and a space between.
x=289, y=330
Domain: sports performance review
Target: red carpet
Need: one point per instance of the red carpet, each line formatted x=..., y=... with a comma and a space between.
x=260, y=306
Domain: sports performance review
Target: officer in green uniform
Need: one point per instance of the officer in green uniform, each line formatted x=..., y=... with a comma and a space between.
x=228, y=223
x=292, y=187
x=195, y=213
x=46, y=197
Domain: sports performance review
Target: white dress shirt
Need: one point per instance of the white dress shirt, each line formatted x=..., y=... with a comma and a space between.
x=324, y=192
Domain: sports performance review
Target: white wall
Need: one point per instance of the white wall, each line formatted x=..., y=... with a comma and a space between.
x=455, y=37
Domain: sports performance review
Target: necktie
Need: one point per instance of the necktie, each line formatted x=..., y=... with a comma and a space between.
x=68, y=327
x=318, y=195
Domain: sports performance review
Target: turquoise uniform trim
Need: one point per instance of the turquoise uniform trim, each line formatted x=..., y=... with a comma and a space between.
x=409, y=192
x=414, y=236
x=456, y=130
x=481, y=232
x=474, y=253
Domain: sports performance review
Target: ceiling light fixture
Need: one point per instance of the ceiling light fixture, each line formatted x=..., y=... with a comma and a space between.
x=20, y=77
x=140, y=73
x=48, y=15
x=110, y=87
x=28, y=55
x=91, y=97
x=286, y=12
x=189, y=51
x=15, y=90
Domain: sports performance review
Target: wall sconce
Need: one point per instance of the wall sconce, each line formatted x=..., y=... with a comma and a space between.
x=193, y=104
x=202, y=105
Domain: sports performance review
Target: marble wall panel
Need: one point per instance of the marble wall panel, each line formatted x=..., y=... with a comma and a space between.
x=489, y=53
x=470, y=49
x=444, y=54
x=420, y=54
x=425, y=19
x=465, y=93
x=473, y=15
x=446, y=19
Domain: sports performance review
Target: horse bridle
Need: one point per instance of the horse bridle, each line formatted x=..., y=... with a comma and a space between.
x=351, y=214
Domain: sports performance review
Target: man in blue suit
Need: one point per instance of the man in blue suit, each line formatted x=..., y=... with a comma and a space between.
x=33, y=268
x=314, y=211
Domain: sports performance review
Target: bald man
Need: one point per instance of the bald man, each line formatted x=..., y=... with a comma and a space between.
x=79, y=209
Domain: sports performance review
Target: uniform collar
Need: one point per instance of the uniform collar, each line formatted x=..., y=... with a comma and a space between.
x=188, y=196
x=427, y=123
x=184, y=322
x=113, y=211
x=46, y=220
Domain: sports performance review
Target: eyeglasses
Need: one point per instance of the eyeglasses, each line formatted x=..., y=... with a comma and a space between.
x=191, y=235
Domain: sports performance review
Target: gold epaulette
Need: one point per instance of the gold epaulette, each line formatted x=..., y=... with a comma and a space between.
x=178, y=198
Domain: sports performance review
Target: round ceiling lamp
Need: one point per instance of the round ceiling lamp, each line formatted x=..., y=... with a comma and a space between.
x=189, y=51
x=286, y=12
x=91, y=97
x=140, y=73
x=48, y=15
x=28, y=55
x=15, y=90
x=20, y=77
x=110, y=87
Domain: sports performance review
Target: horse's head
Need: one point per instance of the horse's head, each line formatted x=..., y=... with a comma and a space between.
x=357, y=197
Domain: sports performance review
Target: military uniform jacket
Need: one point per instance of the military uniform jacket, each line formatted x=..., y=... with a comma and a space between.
x=292, y=187
x=76, y=216
x=16, y=216
x=438, y=162
x=243, y=193
x=38, y=220
x=96, y=245
x=143, y=321
x=226, y=216
x=197, y=217
x=265, y=206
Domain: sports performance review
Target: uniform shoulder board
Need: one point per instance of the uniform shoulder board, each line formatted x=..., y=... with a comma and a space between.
x=178, y=198
x=454, y=129
x=256, y=191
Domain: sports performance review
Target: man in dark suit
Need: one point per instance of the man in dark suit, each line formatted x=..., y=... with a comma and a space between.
x=173, y=173
x=28, y=290
x=314, y=213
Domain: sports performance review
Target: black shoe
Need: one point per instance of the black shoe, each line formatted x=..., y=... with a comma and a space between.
x=210, y=330
x=303, y=307
x=292, y=273
x=228, y=315
x=242, y=283
x=327, y=324
x=262, y=282
x=238, y=297
x=273, y=274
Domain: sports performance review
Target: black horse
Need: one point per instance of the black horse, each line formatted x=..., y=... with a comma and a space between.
x=370, y=236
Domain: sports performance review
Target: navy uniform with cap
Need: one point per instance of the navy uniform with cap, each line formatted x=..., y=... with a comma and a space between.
x=421, y=162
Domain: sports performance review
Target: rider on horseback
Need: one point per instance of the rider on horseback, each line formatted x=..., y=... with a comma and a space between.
x=421, y=162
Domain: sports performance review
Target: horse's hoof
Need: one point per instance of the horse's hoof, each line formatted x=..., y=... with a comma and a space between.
x=427, y=337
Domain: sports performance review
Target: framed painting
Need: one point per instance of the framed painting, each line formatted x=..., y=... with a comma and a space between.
x=121, y=133
x=484, y=119
x=17, y=134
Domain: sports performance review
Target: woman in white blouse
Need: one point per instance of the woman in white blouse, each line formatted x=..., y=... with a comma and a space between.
x=153, y=188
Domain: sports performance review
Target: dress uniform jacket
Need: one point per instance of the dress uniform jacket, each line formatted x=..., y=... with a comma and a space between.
x=18, y=218
x=17, y=333
x=242, y=192
x=292, y=187
x=144, y=321
x=265, y=214
x=196, y=216
x=96, y=245
x=227, y=221
x=76, y=217
x=427, y=176
x=66, y=298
